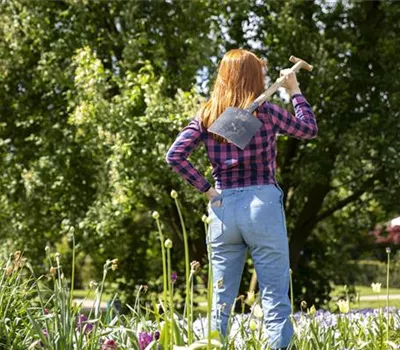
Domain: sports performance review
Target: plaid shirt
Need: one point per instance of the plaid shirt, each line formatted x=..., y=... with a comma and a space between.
x=233, y=167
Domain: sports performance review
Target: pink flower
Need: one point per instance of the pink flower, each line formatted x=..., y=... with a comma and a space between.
x=109, y=344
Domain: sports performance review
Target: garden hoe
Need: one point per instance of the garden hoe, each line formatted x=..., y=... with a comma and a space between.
x=237, y=125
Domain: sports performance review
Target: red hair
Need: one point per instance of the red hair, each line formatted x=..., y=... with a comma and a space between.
x=239, y=82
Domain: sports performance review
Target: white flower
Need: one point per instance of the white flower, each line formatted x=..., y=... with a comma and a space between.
x=155, y=215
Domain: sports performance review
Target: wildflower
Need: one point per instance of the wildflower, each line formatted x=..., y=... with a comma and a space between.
x=376, y=287
x=250, y=298
x=253, y=325
x=168, y=243
x=144, y=340
x=174, y=194
x=174, y=277
x=209, y=220
x=388, y=250
x=257, y=311
x=155, y=215
x=194, y=266
x=303, y=305
x=204, y=218
x=109, y=344
x=344, y=306
x=83, y=325
x=157, y=335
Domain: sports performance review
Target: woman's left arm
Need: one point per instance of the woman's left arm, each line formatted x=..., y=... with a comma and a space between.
x=187, y=140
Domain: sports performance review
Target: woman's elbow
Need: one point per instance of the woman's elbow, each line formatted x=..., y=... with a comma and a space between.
x=172, y=158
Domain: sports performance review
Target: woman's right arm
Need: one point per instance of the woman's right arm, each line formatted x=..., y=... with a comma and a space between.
x=303, y=124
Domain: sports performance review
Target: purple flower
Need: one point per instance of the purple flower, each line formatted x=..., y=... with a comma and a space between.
x=83, y=325
x=157, y=335
x=109, y=344
x=144, y=340
x=174, y=277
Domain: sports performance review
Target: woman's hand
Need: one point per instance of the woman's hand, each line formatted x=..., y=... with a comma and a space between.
x=291, y=83
x=211, y=193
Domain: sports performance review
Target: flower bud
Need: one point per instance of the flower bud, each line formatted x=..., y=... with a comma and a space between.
x=257, y=311
x=168, y=243
x=174, y=194
x=250, y=298
x=155, y=215
x=312, y=311
x=253, y=325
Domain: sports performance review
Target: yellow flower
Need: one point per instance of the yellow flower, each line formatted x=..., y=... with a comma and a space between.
x=376, y=287
x=257, y=311
x=344, y=306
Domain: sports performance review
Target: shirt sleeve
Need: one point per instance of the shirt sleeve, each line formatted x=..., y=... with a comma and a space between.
x=302, y=125
x=187, y=140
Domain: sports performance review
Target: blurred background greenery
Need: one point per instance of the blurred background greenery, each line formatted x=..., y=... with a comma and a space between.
x=92, y=94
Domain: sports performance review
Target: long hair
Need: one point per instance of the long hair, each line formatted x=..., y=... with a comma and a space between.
x=239, y=82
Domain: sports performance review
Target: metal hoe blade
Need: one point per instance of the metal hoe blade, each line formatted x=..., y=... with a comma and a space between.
x=236, y=125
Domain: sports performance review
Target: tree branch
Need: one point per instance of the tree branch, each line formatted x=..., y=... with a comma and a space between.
x=348, y=200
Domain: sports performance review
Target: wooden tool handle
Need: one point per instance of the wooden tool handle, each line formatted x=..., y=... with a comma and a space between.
x=301, y=63
x=298, y=64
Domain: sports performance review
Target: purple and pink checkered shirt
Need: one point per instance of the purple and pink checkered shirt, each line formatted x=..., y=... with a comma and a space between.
x=233, y=167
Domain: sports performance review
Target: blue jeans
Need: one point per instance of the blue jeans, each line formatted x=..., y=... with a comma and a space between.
x=251, y=218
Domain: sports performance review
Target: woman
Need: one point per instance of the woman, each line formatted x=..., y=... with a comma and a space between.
x=246, y=203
